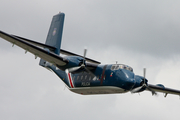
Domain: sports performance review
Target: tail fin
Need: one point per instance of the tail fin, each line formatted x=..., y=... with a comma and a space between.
x=55, y=34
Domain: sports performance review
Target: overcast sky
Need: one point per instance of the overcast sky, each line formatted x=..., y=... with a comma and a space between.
x=137, y=33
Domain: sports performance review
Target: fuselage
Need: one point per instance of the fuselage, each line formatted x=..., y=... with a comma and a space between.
x=106, y=79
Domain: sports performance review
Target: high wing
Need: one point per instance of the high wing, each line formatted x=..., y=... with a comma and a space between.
x=37, y=51
x=53, y=48
x=161, y=88
x=46, y=54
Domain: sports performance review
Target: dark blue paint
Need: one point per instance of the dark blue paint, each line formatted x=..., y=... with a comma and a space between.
x=120, y=78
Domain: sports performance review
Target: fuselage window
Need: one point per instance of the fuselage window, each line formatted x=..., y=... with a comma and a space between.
x=117, y=67
x=113, y=67
x=89, y=78
x=121, y=66
x=85, y=77
x=77, y=77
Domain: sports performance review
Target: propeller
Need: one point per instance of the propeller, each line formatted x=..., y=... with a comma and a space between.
x=144, y=85
x=73, y=69
x=81, y=65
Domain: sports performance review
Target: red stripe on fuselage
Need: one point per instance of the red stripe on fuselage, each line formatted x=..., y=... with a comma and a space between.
x=70, y=80
x=103, y=73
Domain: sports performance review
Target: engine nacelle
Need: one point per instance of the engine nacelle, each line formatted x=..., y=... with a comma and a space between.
x=74, y=61
x=139, y=82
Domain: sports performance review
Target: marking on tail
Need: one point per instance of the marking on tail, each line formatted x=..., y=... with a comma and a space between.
x=54, y=31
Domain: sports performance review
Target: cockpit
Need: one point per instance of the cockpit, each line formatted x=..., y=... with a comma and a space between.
x=121, y=66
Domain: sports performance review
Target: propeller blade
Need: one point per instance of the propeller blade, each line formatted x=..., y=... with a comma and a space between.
x=85, y=51
x=74, y=69
x=136, y=89
x=144, y=72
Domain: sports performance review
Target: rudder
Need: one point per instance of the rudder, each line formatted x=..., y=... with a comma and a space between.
x=55, y=32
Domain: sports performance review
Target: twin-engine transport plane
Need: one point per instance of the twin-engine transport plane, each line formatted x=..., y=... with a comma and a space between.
x=83, y=75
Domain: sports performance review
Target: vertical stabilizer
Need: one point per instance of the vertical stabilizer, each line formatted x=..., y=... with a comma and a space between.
x=55, y=32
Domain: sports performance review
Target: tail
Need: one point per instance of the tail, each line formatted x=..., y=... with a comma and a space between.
x=55, y=34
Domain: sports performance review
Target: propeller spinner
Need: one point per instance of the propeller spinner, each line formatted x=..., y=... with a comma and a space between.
x=144, y=85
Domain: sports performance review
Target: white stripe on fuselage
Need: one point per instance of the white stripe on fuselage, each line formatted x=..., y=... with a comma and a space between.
x=71, y=84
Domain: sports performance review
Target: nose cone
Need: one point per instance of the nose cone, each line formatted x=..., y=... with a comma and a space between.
x=126, y=79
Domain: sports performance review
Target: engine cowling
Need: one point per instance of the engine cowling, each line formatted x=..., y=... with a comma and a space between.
x=74, y=61
x=139, y=84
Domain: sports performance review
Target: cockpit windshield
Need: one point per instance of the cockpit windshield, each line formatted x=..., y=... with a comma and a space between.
x=121, y=66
